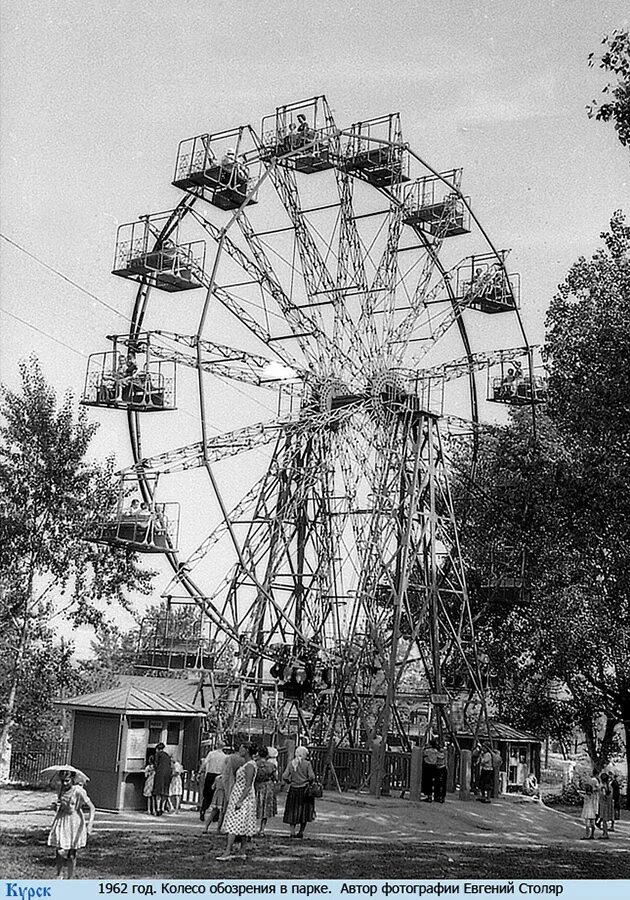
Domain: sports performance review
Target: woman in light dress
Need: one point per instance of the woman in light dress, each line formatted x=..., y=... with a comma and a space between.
x=265, y=786
x=590, y=806
x=240, y=817
x=69, y=830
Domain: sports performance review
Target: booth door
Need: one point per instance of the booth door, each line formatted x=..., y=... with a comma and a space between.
x=95, y=752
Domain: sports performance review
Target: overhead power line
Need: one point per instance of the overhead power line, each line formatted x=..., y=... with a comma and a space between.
x=64, y=277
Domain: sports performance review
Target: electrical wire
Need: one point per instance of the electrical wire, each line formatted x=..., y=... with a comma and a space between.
x=41, y=331
x=64, y=277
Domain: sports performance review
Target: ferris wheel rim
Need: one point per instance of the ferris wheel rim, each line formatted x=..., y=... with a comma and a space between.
x=186, y=206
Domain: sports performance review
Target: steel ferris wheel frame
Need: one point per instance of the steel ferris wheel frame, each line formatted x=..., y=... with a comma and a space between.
x=356, y=490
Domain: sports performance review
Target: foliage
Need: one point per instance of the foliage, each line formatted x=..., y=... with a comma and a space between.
x=568, y=796
x=113, y=654
x=50, y=495
x=615, y=61
x=564, y=501
x=37, y=720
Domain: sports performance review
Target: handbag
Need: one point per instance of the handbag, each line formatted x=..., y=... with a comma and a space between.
x=314, y=789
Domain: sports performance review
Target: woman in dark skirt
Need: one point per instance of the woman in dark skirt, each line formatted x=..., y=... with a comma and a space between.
x=299, y=809
x=162, y=779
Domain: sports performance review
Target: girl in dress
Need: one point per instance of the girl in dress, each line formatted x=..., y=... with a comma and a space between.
x=176, y=787
x=147, y=791
x=299, y=808
x=240, y=817
x=265, y=786
x=69, y=830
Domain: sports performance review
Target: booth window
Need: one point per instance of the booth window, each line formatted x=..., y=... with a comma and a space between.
x=172, y=733
x=136, y=723
x=155, y=732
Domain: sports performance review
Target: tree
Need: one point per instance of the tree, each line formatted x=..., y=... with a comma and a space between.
x=565, y=500
x=588, y=354
x=616, y=61
x=114, y=653
x=50, y=494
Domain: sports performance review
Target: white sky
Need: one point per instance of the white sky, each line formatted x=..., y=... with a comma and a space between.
x=96, y=97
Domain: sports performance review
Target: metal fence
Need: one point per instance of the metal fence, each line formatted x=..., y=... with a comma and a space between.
x=28, y=762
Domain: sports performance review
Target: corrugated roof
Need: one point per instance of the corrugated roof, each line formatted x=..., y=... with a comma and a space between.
x=132, y=699
x=178, y=688
x=502, y=732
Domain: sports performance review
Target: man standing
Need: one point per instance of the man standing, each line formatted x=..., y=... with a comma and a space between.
x=211, y=766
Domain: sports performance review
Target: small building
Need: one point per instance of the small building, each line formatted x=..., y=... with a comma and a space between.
x=520, y=752
x=114, y=733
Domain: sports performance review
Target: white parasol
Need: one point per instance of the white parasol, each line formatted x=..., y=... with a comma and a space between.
x=51, y=772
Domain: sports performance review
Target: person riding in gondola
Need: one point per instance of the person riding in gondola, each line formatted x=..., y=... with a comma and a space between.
x=303, y=130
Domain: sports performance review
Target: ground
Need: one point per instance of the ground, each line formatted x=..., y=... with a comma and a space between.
x=352, y=837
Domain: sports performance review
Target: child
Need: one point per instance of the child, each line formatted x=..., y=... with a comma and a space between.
x=149, y=778
x=590, y=807
x=69, y=831
x=176, y=787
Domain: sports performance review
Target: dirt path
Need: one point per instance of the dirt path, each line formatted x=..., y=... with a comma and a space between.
x=510, y=821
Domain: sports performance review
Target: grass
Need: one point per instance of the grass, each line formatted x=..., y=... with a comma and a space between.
x=24, y=855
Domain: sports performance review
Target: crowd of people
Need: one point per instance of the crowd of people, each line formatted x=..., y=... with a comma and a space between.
x=601, y=807
x=239, y=789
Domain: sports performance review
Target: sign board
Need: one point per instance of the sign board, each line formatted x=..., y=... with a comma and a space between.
x=440, y=699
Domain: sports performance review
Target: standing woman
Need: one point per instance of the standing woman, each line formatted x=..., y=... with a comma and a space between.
x=299, y=808
x=265, y=785
x=590, y=806
x=240, y=818
x=228, y=776
x=605, y=804
x=69, y=831
x=162, y=781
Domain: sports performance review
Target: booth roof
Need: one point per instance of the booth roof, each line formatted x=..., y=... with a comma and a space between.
x=501, y=732
x=132, y=699
x=182, y=689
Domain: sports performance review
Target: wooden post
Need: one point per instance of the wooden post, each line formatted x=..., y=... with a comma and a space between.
x=377, y=760
x=465, y=770
x=496, y=792
x=415, y=774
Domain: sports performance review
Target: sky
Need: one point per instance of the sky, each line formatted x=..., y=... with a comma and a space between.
x=96, y=97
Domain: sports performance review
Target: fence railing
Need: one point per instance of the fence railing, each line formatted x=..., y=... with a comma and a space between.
x=27, y=763
x=350, y=768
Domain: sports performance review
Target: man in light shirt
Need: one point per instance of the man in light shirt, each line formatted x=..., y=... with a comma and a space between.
x=208, y=771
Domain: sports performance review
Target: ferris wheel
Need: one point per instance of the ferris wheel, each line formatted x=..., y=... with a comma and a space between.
x=345, y=317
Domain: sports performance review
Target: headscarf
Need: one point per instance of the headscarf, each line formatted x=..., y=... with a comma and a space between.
x=300, y=754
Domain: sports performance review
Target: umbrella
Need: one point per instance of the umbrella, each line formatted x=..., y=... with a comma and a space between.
x=51, y=772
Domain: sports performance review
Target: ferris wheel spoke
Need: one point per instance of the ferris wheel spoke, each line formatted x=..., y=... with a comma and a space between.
x=478, y=361
x=351, y=273
x=382, y=294
x=318, y=281
x=217, y=533
x=241, y=440
x=226, y=362
x=300, y=321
